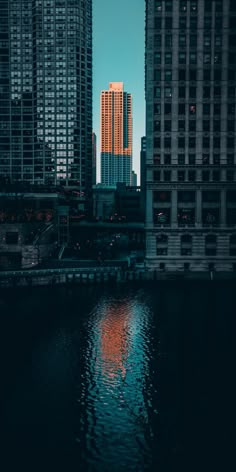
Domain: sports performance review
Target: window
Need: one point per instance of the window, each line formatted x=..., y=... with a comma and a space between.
x=168, y=92
x=182, y=22
x=158, y=5
x=192, y=159
x=156, y=176
x=157, y=40
x=157, y=109
x=157, y=58
x=157, y=142
x=216, y=125
x=158, y=23
x=192, y=92
x=205, y=175
x=167, y=142
x=168, y=40
x=181, y=109
x=168, y=75
x=186, y=196
x=181, y=124
x=157, y=92
x=167, y=159
x=193, y=58
x=168, y=58
x=181, y=142
x=182, y=74
x=206, y=109
x=182, y=58
x=207, y=41
x=230, y=159
x=182, y=91
x=216, y=175
x=186, y=216
x=230, y=175
x=168, y=22
x=157, y=125
x=162, y=245
x=216, y=159
x=192, y=75
x=206, y=92
x=207, y=74
x=207, y=58
x=181, y=159
x=167, y=108
x=181, y=176
x=192, y=125
x=191, y=142
x=192, y=109
x=183, y=6
x=182, y=40
x=192, y=176
x=157, y=75
x=168, y=5
x=167, y=125
x=193, y=40
x=206, y=142
x=162, y=196
x=186, y=245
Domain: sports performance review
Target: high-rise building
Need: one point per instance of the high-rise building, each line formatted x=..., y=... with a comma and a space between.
x=46, y=92
x=116, y=135
x=190, y=134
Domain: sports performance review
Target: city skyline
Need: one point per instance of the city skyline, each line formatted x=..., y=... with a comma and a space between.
x=119, y=57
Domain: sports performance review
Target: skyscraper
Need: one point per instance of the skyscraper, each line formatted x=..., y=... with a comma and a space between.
x=116, y=135
x=46, y=92
x=190, y=133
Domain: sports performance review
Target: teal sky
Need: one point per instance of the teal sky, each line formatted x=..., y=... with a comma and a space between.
x=118, y=56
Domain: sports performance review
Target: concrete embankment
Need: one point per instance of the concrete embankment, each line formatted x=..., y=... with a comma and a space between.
x=99, y=275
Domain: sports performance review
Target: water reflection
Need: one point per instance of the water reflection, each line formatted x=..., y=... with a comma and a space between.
x=116, y=388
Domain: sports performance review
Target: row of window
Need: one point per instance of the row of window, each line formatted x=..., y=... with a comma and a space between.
x=191, y=159
x=186, y=245
x=187, y=216
x=214, y=91
x=189, y=196
x=191, y=142
x=192, y=176
x=206, y=108
x=191, y=5
x=192, y=39
x=185, y=125
x=208, y=58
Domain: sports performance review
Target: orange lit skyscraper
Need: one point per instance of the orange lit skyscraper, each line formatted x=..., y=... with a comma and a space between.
x=116, y=135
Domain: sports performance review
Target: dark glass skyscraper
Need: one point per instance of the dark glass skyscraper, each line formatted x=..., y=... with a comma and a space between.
x=190, y=132
x=46, y=92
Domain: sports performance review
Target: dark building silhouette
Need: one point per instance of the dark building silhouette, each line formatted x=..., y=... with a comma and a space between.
x=94, y=161
x=143, y=173
x=190, y=135
x=46, y=92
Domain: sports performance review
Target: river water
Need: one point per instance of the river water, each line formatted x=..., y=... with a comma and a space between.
x=117, y=379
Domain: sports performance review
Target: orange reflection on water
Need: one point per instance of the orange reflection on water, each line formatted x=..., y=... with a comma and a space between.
x=114, y=341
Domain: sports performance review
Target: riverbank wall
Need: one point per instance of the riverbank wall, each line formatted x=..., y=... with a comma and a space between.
x=101, y=275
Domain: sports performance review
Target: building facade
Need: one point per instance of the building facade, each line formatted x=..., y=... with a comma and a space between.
x=116, y=135
x=190, y=135
x=94, y=160
x=46, y=92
